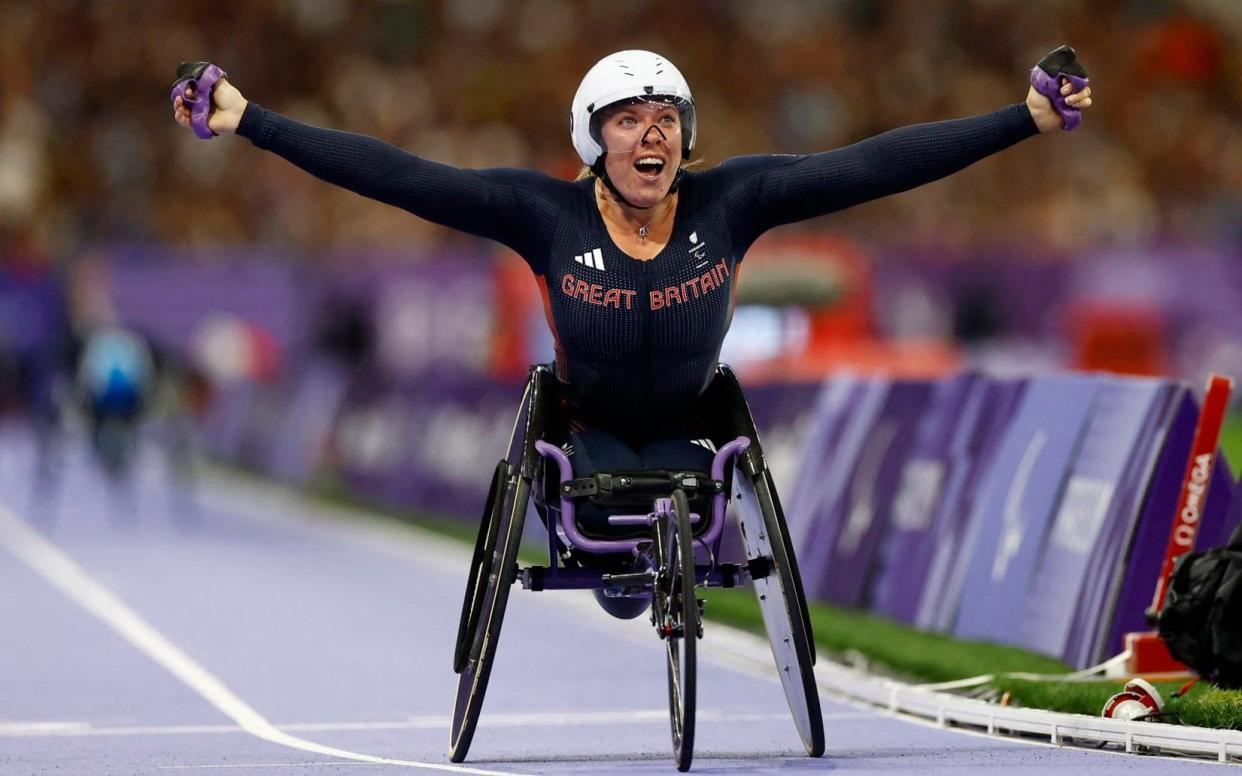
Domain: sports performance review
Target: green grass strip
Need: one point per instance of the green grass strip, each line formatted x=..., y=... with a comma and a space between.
x=929, y=657
x=900, y=649
x=1204, y=706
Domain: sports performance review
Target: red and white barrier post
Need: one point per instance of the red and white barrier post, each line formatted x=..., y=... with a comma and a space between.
x=1147, y=651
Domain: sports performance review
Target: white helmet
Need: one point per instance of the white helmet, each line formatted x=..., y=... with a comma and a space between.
x=627, y=75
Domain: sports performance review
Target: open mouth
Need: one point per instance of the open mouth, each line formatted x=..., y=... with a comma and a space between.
x=649, y=167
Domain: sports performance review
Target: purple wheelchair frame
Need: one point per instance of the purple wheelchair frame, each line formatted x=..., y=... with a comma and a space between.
x=557, y=577
x=769, y=562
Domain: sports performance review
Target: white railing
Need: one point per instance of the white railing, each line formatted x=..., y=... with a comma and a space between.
x=1058, y=728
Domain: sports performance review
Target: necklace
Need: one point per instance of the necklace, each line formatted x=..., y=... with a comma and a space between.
x=643, y=229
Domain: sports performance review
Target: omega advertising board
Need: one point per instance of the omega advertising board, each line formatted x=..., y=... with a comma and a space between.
x=1009, y=524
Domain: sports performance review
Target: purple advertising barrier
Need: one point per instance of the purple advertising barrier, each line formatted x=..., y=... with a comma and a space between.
x=937, y=604
x=844, y=412
x=859, y=514
x=370, y=438
x=941, y=450
x=871, y=493
x=435, y=317
x=265, y=419
x=33, y=332
x=1009, y=523
x=1145, y=553
x=30, y=312
x=831, y=407
x=1106, y=566
x=458, y=432
x=223, y=427
x=1141, y=562
x=783, y=414
x=168, y=301
x=243, y=423
x=1097, y=507
x=314, y=401
x=431, y=446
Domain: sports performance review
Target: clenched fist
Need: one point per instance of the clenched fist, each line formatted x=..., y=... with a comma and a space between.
x=1045, y=116
x=227, y=107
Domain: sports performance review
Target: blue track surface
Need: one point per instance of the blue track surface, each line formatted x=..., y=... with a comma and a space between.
x=339, y=632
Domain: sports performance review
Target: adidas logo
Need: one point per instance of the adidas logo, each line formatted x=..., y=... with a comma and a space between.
x=593, y=258
x=704, y=443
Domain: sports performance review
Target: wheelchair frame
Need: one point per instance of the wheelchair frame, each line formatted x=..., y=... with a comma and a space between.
x=770, y=563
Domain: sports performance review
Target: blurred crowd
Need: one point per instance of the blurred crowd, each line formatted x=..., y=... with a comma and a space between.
x=89, y=154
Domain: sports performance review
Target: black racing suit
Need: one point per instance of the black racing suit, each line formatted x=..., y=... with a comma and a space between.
x=637, y=341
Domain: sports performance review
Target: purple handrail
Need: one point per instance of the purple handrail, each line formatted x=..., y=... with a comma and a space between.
x=730, y=450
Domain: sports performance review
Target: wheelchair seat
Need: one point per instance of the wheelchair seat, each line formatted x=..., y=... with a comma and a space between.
x=632, y=492
x=636, y=488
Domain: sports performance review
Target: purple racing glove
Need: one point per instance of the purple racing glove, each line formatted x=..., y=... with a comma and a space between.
x=1046, y=78
x=202, y=76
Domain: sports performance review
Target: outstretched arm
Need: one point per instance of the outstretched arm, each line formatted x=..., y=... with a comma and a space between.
x=503, y=205
x=781, y=190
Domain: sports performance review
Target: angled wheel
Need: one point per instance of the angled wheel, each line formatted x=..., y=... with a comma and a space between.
x=494, y=597
x=681, y=629
x=775, y=577
x=480, y=566
x=778, y=515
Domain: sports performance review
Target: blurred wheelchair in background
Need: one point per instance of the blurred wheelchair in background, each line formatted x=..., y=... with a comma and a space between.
x=657, y=550
x=116, y=376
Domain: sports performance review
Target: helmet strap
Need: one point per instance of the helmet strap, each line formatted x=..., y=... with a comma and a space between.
x=617, y=192
x=601, y=173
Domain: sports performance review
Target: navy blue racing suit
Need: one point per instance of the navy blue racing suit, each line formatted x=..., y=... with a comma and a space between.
x=637, y=341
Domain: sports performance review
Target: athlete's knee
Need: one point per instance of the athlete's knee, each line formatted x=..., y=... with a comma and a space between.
x=623, y=608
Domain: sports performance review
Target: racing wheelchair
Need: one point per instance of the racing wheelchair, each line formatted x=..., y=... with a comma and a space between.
x=658, y=543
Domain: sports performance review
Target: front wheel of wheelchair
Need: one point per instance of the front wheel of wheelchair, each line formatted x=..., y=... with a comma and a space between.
x=681, y=629
x=502, y=571
x=774, y=577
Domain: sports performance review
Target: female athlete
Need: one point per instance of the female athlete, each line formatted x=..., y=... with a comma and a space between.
x=637, y=261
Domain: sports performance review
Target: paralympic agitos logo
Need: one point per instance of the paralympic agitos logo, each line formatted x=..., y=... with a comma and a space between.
x=688, y=291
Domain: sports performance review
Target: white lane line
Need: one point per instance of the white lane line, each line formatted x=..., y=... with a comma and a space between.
x=67, y=576
x=24, y=729
x=249, y=766
x=427, y=722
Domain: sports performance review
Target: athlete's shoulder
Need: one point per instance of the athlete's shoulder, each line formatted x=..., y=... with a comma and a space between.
x=738, y=168
x=536, y=182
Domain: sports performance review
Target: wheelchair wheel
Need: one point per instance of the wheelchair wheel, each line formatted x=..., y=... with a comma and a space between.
x=480, y=567
x=799, y=592
x=477, y=667
x=681, y=639
x=774, y=575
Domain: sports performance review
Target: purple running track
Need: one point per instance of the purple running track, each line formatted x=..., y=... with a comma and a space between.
x=340, y=632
